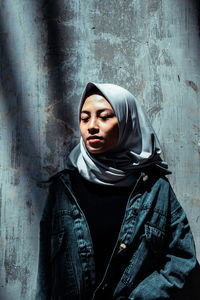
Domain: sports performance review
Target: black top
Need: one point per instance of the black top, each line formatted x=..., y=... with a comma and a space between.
x=104, y=208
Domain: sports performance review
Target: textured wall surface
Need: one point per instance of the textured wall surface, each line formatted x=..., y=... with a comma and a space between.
x=48, y=51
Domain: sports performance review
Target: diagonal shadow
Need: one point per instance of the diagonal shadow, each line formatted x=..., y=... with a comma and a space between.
x=196, y=5
x=62, y=69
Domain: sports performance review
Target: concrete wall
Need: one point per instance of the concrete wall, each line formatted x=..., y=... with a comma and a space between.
x=48, y=51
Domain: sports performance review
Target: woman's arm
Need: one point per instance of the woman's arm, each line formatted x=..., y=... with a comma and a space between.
x=179, y=262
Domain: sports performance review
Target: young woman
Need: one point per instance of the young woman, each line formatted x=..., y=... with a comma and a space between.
x=112, y=227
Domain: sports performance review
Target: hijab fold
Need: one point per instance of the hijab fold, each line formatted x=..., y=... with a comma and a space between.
x=137, y=146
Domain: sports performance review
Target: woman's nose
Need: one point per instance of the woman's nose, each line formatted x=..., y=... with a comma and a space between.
x=93, y=126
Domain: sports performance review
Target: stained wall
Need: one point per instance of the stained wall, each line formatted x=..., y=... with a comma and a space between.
x=49, y=50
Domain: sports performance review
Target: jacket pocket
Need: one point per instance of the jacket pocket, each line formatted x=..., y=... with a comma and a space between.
x=63, y=273
x=155, y=238
x=56, y=244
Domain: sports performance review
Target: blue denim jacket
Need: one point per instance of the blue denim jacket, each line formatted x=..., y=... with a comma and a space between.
x=153, y=256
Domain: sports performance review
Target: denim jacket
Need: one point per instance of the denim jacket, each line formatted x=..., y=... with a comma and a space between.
x=152, y=258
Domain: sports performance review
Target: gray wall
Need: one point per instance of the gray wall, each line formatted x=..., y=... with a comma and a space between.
x=48, y=51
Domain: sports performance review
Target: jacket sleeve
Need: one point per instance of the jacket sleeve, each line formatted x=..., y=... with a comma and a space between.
x=43, y=290
x=179, y=260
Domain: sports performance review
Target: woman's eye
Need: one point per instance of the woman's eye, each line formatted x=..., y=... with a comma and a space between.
x=106, y=117
x=84, y=119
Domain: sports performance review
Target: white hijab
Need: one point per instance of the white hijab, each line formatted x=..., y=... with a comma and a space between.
x=137, y=147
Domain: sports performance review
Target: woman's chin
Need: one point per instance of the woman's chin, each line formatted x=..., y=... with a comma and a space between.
x=95, y=150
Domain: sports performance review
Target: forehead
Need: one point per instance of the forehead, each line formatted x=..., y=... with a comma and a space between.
x=96, y=102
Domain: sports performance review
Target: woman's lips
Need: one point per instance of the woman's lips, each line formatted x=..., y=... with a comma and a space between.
x=94, y=139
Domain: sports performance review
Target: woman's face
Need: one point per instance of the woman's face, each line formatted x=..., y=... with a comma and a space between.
x=98, y=125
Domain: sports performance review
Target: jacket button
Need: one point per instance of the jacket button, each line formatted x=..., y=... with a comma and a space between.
x=145, y=177
x=76, y=213
x=123, y=246
x=135, y=211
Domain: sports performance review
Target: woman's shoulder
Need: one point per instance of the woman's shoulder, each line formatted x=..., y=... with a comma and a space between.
x=57, y=179
x=155, y=182
x=56, y=176
x=156, y=175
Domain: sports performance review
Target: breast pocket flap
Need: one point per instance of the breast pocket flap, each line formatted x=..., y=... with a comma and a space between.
x=155, y=237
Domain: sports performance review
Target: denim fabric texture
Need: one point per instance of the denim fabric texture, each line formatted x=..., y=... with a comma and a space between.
x=152, y=259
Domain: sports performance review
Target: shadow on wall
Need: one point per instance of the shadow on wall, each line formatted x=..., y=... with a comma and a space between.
x=196, y=5
x=62, y=63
